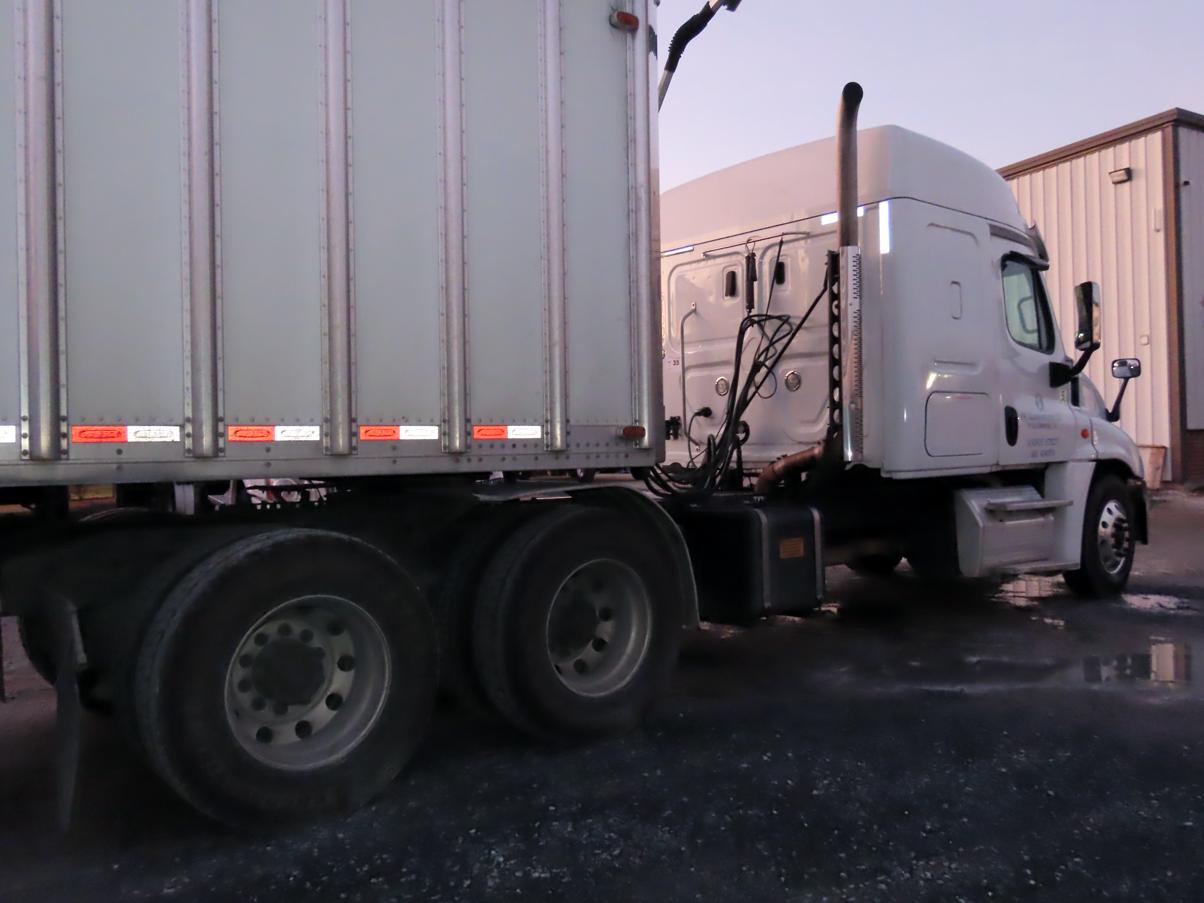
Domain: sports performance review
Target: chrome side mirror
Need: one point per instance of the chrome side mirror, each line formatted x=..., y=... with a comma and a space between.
x=1086, y=336
x=1126, y=368
x=1086, y=298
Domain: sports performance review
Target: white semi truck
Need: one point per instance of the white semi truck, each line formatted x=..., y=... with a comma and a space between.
x=312, y=285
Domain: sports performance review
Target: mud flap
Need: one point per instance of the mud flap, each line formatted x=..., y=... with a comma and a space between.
x=68, y=653
x=1137, y=493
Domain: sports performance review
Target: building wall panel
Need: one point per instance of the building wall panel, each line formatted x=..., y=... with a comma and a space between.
x=1191, y=254
x=1113, y=234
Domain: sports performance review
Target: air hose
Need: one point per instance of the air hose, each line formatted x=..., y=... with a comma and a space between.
x=689, y=30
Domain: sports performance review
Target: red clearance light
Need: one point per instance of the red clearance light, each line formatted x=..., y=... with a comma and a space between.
x=634, y=432
x=624, y=21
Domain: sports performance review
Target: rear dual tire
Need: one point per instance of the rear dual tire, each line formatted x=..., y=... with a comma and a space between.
x=287, y=675
x=576, y=625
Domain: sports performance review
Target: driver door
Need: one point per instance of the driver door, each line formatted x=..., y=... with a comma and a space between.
x=1039, y=426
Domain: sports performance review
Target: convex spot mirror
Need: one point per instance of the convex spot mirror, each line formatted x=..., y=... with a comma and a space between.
x=1086, y=298
x=1126, y=368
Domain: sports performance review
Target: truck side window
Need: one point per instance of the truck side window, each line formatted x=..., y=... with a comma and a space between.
x=1026, y=307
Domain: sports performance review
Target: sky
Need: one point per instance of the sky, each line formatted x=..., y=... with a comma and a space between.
x=1001, y=81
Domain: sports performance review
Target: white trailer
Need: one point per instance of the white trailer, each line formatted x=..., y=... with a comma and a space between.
x=266, y=260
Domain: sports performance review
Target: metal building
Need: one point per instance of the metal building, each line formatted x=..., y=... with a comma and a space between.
x=1126, y=209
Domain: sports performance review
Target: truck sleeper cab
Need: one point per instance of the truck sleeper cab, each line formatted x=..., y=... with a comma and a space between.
x=973, y=457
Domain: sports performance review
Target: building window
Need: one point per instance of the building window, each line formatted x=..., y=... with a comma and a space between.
x=1025, y=306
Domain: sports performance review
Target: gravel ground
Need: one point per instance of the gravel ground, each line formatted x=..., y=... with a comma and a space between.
x=908, y=742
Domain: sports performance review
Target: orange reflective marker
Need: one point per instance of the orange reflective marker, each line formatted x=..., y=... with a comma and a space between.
x=489, y=431
x=96, y=433
x=380, y=432
x=250, y=433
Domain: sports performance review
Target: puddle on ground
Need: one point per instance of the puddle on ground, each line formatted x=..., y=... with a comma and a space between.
x=1154, y=602
x=1030, y=591
x=1164, y=662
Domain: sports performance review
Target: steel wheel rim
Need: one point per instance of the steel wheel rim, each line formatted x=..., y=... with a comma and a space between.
x=307, y=682
x=1114, y=539
x=599, y=627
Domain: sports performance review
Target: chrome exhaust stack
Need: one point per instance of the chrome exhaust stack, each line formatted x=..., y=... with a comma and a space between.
x=851, y=388
x=846, y=162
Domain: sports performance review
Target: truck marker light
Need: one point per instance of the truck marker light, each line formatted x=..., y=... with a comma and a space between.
x=633, y=432
x=493, y=432
x=271, y=433
x=1086, y=433
x=394, y=432
x=624, y=21
x=8, y=433
x=81, y=435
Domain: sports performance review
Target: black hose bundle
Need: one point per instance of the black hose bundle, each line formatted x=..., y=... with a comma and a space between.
x=777, y=333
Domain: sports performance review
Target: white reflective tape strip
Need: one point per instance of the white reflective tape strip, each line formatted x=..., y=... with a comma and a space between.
x=152, y=434
x=418, y=433
x=884, y=227
x=298, y=433
x=829, y=218
x=524, y=432
x=8, y=433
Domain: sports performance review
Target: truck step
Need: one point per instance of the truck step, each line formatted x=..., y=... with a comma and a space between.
x=1015, y=506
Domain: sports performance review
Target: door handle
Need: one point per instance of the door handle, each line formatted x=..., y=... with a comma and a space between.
x=1011, y=425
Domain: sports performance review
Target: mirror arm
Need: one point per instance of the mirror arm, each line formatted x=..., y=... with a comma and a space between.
x=1114, y=414
x=1060, y=374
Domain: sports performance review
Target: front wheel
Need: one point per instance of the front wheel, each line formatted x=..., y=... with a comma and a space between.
x=1108, y=541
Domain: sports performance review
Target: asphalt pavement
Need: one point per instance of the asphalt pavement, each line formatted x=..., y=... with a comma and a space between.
x=909, y=742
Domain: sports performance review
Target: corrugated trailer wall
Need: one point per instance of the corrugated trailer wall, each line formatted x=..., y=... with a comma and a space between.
x=321, y=237
x=1191, y=256
x=1113, y=234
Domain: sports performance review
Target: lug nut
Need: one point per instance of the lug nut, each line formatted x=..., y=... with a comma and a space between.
x=333, y=701
x=599, y=644
x=303, y=729
x=346, y=663
x=261, y=639
x=264, y=735
x=334, y=628
x=306, y=635
x=258, y=704
x=244, y=686
x=579, y=666
x=605, y=614
x=245, y=661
